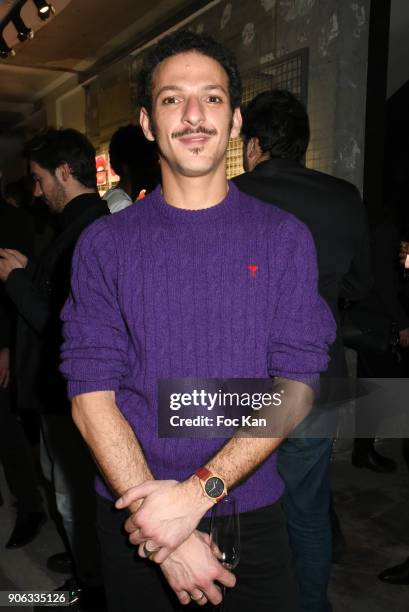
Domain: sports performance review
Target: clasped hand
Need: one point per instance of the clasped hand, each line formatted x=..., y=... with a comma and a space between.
x=164, y=527
x=168, y=515
x=192, y=570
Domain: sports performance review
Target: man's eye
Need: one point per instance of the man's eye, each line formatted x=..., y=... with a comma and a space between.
x=169, y=100
x=214, y=99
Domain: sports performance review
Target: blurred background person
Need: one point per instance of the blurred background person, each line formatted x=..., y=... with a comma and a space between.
x=135, y=160
x=20, y=194
x=62, y=163
x=399, y=574
x=16, y=232
x=275, y=137
x=383, y=313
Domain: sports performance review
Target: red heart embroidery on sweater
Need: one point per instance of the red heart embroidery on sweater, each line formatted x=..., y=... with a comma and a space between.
x=253, y=268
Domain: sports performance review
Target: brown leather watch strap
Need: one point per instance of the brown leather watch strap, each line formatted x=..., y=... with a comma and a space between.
x=203, y=473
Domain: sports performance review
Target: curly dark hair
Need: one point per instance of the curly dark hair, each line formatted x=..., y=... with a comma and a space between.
x=183, y=42
x=54, y=147
x=280, y=122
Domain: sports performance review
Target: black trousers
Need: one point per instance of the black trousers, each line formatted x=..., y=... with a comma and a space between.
x=265, y=582
x=15, y=455
x=67, y=463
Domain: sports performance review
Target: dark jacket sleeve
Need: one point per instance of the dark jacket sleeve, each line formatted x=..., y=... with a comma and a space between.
x=359, y=280
x=4, y=323
x=31, y=301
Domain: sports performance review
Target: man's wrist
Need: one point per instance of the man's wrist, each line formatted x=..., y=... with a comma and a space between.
x=199, y=501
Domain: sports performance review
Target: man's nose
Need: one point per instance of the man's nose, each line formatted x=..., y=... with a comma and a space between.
x=37, y=190
x=193, y=111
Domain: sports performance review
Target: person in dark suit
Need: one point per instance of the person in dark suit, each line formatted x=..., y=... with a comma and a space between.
x=275, y=137
x=384, y=305
x=16, y=231
x=62, y=163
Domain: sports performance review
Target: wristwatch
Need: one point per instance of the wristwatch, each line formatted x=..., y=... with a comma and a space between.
x=213, y=485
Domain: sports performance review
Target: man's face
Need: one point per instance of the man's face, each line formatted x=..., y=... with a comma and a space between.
x=191, y=118
x=49, y=186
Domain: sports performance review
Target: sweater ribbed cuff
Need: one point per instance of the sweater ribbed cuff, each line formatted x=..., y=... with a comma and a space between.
x=78, y=387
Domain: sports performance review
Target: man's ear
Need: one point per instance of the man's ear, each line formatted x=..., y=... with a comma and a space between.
x=254, y=151
x=236, y=123
x=63, y=172
x=145, y=122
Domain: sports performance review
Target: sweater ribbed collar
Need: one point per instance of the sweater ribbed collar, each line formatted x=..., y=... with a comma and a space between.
x=204, y=215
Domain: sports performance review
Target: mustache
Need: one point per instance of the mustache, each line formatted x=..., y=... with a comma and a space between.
x=190, y=131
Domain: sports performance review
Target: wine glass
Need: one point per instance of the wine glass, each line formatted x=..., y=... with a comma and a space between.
x=225, y=536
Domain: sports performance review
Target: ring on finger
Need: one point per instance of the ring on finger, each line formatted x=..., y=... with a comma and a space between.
x=149, y=553
x=198, y=598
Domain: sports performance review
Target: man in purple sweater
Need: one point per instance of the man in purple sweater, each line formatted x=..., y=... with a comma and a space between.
x=197, y=281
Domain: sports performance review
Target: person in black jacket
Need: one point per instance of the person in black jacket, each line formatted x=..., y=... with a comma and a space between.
x=16, y=231
x=383, y=304
x=275, y=137
x=62, y=163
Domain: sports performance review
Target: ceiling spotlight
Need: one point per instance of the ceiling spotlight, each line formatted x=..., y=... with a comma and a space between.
x=44, y=9
x=23, y=32
x=5, y=50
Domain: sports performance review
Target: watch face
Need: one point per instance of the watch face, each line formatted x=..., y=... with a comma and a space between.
x=214, y=487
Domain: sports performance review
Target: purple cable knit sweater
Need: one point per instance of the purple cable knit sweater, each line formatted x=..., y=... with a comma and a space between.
x=160, y=292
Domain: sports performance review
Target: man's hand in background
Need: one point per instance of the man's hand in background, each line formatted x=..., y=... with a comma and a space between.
x=10, y=260
x=404, y=252
x=4, y=367
x=404, y=337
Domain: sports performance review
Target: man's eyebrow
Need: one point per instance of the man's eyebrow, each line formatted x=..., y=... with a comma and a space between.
x=178, y=88
x=168, y=88
x=217, y=87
